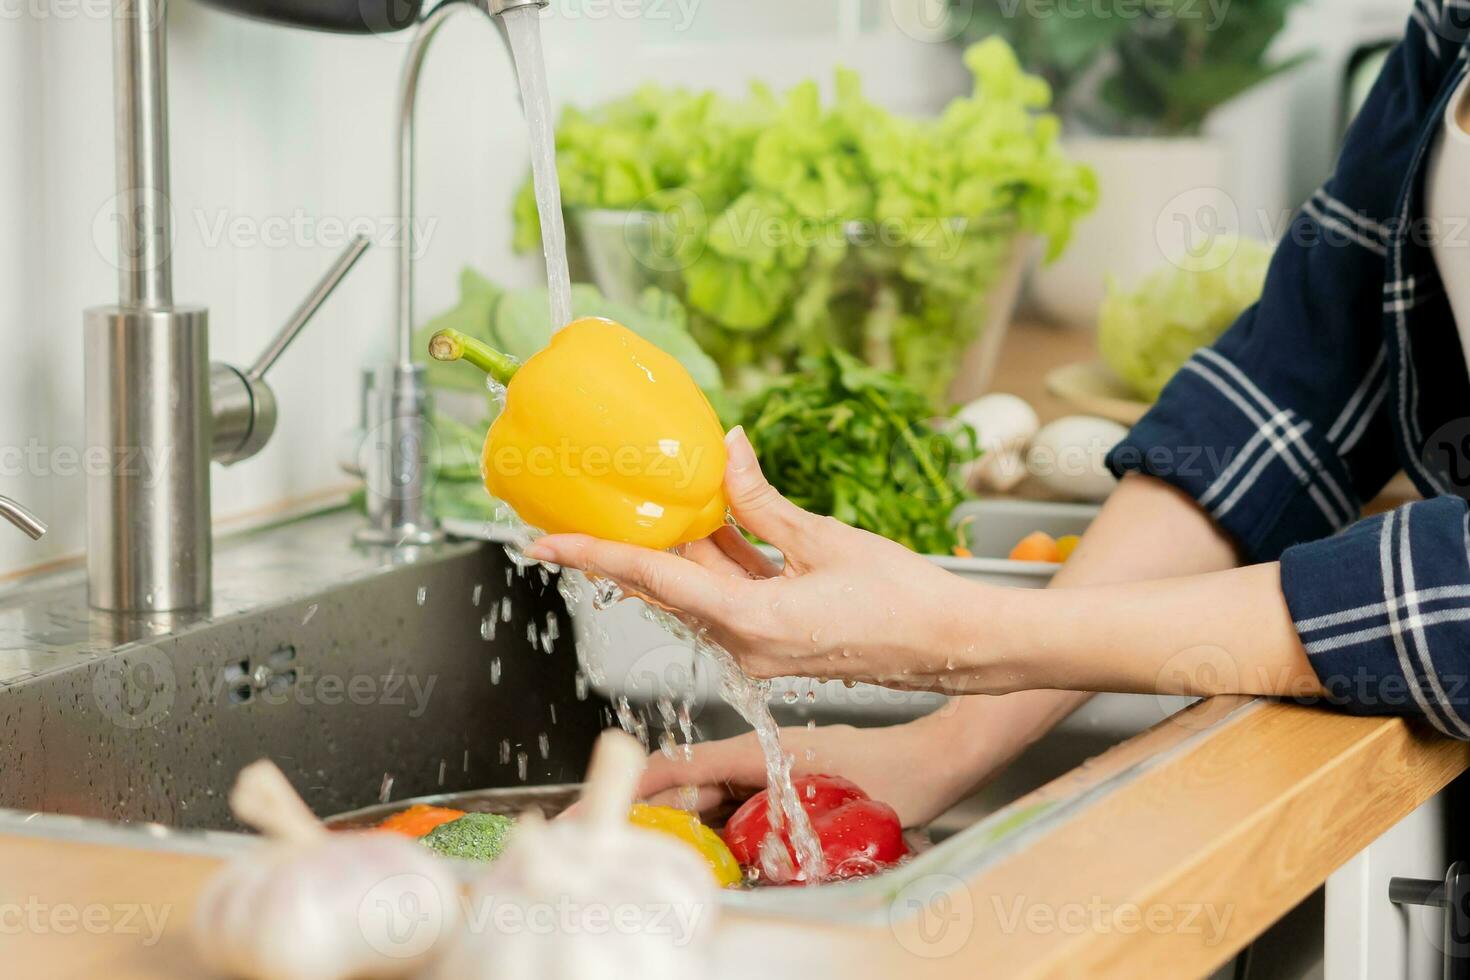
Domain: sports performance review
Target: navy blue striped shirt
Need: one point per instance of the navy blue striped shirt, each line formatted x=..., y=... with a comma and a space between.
x=1348, y=369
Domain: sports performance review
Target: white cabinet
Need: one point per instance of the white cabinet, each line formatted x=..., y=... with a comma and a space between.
x=1367, y=937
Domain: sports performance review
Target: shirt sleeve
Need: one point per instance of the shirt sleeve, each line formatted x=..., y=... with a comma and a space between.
x=1383, y=610
x=1281, y=429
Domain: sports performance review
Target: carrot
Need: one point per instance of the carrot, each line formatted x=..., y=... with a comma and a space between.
x=962, y=533
x=419, y=819
x=1036, y=546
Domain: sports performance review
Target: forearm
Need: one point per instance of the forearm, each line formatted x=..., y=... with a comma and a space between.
x=1147, y=530
x=1226, y=632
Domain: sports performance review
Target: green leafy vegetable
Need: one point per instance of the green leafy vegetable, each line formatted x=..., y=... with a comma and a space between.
x=1146, y=334
x=846, y=439
x=473, y=837
x=788, y=226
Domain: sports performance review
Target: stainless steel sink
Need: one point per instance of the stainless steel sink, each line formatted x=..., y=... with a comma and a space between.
x=364, y=673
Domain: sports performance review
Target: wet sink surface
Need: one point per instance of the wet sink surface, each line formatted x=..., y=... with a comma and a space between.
x=359, y=675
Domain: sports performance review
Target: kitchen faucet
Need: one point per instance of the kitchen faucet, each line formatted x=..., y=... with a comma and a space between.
x=16, y=514
x=151, y=392
x=396, y=404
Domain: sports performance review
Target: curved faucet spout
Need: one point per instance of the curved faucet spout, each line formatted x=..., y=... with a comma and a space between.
x=396, y=405
x=407, y=107
x=16, y=514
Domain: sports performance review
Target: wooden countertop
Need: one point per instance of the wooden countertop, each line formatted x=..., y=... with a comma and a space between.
x=1235, y=812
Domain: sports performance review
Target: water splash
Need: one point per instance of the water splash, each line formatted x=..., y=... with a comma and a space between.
x=749, y=697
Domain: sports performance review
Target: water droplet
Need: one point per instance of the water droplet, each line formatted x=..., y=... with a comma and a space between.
x=423, y=594
x=543, y=745
x=504, y=751
x=495, y=671
x=605, y=592
x=310, y=612
x=522, y=765
x=475, y=596
x=487, y=627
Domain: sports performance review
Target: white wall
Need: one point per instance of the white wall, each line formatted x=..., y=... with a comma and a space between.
x=286, y=131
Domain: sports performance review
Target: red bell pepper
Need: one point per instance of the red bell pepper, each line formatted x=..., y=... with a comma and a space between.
x=858, y=835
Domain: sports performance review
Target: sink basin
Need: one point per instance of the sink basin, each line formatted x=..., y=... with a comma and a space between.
x=364, y=674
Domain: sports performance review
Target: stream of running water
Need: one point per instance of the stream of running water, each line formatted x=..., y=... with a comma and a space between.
x=746, y=695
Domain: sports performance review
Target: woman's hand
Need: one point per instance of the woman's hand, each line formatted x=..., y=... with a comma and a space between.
x=846, y=604
x=879, y=760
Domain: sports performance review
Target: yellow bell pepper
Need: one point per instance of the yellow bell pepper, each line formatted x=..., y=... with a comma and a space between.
x=602, y=433
x=687, y=828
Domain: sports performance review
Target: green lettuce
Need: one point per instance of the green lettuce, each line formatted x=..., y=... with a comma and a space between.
x=763, y=195
x=1147, y=333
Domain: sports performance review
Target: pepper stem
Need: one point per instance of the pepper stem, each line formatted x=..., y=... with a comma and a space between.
x=451, y=345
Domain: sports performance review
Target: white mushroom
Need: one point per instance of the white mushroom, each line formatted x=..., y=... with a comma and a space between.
x=1004, y=424
x=318, y=906
x=590, y=895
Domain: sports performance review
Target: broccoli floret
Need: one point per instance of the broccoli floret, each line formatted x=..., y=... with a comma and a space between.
x=473, y=837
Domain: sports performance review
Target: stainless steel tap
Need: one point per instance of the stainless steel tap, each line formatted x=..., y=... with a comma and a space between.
x=396, y=403
x=15, y=513
x=155, y=406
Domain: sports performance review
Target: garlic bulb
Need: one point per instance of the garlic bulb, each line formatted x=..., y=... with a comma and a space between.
x=317, y=906
x=1069, y=456
x=566, y=902
x=590, y=895
x=353, y=905
x=1004, y=424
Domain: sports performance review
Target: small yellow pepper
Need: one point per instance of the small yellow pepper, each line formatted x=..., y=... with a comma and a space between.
x=687, y=828
x=602, y=433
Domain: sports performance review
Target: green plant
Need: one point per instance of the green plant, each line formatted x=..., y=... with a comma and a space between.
x=789, y=226
x=1138, y=67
